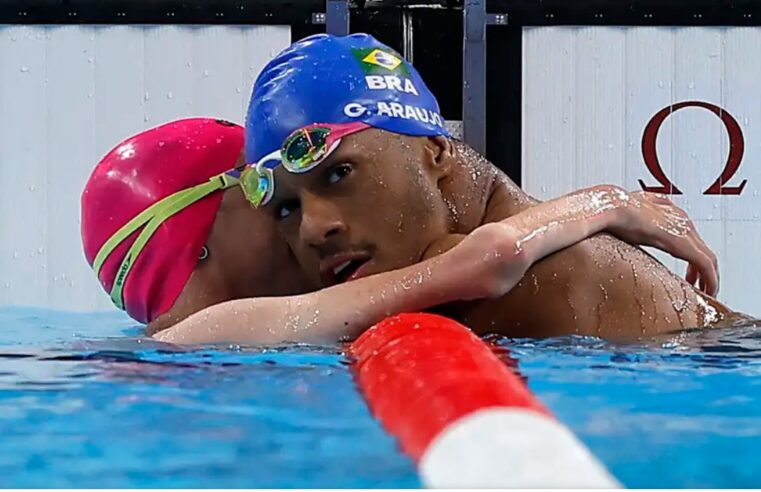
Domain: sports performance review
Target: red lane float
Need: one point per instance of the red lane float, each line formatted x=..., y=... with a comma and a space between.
x=460, y=413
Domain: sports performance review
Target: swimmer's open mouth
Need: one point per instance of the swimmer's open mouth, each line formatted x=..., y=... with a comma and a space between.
x=343, y=268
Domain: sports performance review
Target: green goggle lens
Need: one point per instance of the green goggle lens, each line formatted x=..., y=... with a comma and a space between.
x=256, y=186
x=305, y=147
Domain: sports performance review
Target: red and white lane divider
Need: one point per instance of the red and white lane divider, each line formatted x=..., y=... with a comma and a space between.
x=461, y=414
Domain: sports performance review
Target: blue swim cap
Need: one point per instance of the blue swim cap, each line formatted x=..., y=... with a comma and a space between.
x=329, y=79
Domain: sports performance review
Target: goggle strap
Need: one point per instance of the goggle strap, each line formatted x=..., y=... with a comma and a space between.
x=153, y=216
x=145, y=235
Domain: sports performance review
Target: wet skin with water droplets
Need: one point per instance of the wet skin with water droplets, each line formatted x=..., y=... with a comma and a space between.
x=599, y=287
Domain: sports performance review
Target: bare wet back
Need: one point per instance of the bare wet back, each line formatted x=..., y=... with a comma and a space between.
x=601, y=287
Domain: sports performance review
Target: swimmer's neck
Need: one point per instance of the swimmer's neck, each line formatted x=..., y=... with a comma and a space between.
x=477, y=192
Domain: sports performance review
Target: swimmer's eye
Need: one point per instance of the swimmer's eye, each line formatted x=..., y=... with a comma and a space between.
x=339, y=172
x=285, y=209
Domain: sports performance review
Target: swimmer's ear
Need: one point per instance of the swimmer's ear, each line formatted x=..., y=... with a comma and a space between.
x=439, y=155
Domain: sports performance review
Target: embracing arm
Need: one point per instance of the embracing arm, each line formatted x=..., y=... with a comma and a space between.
x=488, y=262
x=345, y=310
x=639, y=218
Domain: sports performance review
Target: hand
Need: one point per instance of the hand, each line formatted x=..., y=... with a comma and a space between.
x=651, y=219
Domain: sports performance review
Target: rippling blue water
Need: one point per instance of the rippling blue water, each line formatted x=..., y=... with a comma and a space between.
x=84, y=402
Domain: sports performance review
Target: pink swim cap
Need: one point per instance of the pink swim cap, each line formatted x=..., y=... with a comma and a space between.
x=132, y=177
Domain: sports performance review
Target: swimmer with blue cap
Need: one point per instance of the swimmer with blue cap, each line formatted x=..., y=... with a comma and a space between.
x=171, y=237
x=347, y=149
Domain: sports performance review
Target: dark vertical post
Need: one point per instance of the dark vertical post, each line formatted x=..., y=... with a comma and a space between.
x=408, y=35
x=474, y=75
x=337, y=17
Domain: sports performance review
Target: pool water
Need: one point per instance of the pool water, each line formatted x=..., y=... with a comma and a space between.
x=85, y=402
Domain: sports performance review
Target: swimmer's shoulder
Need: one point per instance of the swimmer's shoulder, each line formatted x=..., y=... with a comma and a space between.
x=506, y=199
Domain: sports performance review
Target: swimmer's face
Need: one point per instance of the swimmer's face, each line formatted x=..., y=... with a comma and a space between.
x=372, y=206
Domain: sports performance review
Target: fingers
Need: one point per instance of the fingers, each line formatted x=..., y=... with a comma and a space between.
x=702, y=265
x=692, y=274
x=708, y=266
x=709, y=276
x=683, y=241
x=715, y=262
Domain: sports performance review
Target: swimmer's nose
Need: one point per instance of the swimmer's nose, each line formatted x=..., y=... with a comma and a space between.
x=321, y=223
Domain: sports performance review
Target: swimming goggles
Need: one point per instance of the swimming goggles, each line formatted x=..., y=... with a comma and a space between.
x=302, y=151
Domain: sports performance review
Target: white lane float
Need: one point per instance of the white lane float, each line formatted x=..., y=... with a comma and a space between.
x=461, y=414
